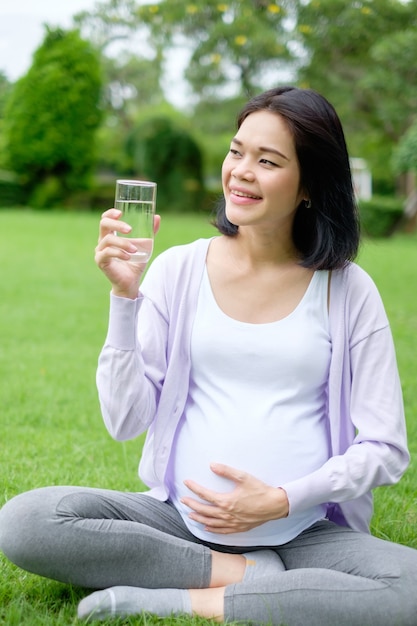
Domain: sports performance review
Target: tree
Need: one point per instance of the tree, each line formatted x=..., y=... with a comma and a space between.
x=392, y=79
x=132, y=70
x=166, y=153
x=110, y=21
x=361, y=56
x=52, y=116
x=405, y=155
x=5, y=89
x=405, y=162
x=131, y=85
x=131, y=82
x=240, y=43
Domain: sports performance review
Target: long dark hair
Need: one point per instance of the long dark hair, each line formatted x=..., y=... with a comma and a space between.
x=326, y=234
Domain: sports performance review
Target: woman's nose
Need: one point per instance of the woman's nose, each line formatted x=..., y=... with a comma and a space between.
x=243, y=171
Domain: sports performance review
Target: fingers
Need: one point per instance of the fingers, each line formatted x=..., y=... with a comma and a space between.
x=117, y=247
x=113, y=247
x=212, y=517
x=110, y=246
x=226, y=471
x=111, y=240
x=110, y=223
x=215, y=519
x=204, y=512
x=156, y=223
x=205, y=494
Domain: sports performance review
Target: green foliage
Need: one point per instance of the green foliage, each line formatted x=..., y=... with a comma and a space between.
x=361, y=56
x=130, y=83
x=341, y=36
x=109, y=21
x=381, y=215
x=214, y=126
x=52, y=115
x=232, y=43
x=11, y=191
x=113, y=134
x=132, y=78
x=5, y=89
x=167, y=154
x=405, y=155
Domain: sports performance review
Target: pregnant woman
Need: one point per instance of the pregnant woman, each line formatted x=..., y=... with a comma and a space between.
x=261, y=364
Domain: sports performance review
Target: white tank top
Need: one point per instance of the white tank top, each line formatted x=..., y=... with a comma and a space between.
x=256, y=402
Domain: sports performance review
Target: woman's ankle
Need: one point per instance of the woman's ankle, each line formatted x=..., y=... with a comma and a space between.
x=208, y=603
x=226, y=569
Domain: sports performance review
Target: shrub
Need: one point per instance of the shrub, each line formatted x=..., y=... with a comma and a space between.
x=166, y=153
x=11, y=191
x=381, y=215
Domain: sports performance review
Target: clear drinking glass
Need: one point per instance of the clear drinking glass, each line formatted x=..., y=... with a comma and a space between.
x=137, y=199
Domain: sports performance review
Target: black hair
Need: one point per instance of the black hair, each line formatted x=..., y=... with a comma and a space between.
x=327, y=233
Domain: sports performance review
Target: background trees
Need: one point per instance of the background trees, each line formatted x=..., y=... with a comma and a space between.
x=234, y=47
x=359, y=53
x=52, y=115
x=5, y=88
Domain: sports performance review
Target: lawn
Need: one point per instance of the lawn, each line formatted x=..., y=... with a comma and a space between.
x=53, y=317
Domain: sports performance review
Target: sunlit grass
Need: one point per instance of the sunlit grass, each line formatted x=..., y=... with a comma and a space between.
x=53, y=318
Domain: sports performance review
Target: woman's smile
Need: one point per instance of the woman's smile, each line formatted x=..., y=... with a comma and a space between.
x=242, y=197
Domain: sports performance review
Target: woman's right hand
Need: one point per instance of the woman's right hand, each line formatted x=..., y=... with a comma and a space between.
x=113, y=258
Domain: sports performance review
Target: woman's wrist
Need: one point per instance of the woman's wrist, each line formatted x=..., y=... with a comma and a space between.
x=123, y=293
x=283, y=503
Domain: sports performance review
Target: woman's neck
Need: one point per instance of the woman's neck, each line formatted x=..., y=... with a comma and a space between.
x=263, y=248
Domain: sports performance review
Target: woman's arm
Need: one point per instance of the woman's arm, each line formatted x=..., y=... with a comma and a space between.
x=378, y=453
x=128, y=390
x=128, y=393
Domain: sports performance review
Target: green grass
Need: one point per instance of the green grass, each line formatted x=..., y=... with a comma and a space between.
x=53, y=318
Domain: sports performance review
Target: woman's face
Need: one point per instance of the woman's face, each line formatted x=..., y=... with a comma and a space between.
x=261, y=175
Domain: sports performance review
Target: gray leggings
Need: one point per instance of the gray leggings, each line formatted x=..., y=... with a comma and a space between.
x=97, y=538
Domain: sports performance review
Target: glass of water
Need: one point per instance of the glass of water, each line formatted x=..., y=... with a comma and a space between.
x=137, y=199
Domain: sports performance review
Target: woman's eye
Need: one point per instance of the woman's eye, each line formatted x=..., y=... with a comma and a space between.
x=234, y=152
x=267, y=162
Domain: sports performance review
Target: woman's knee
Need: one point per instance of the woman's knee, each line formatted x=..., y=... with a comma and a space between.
x=25, y=522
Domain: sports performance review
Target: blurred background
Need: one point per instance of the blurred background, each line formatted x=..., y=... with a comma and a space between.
x=92, y=90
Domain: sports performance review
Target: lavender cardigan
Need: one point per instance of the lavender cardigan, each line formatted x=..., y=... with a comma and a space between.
x=144, y=367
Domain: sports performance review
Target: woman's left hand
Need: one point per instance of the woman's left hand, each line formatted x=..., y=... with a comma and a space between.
x=250, y=504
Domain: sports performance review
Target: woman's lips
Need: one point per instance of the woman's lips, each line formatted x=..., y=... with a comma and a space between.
x=240, y=196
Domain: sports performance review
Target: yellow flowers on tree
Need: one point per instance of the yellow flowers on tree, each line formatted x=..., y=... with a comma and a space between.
x=239, y=46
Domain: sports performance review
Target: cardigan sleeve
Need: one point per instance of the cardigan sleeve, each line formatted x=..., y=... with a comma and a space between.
x=142, y=369
x=131, y=365
x=366, y=415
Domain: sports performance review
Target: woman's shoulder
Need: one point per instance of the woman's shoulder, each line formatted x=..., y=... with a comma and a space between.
x=353, y=278
x=354, y=292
